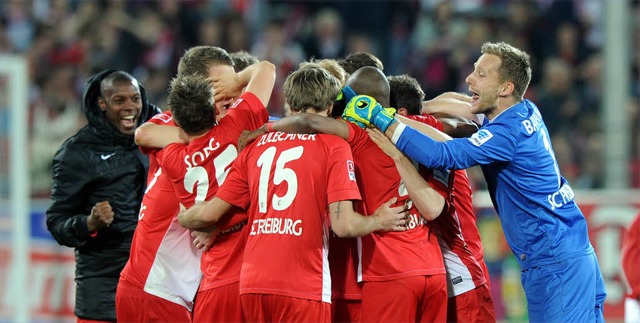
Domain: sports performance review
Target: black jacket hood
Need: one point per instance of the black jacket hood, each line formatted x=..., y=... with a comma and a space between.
x=96, y=119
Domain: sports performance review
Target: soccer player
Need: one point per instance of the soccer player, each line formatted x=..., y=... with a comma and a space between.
x=403, y=274
x=467, y=276
x=543, y=225
x=198, y=168
x=163, y=272
x=630, y=261
x=289, y=182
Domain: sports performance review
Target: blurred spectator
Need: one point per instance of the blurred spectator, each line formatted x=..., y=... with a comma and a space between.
x=435, y=41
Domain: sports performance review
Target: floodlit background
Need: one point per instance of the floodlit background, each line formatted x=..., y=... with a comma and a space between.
x=586, y=81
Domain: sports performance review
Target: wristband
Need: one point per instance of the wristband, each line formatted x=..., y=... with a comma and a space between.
x=384, y=118
x=269, y=126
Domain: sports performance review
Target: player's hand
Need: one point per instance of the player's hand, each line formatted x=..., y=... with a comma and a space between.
x=365, y=110
x=392, y=218
x=385, y=144
x=101, y=216
x=204, y=240
x=227, y=86
x=361, y=109
x=247, y=137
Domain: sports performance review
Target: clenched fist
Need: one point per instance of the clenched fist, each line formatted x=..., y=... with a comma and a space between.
x=101, y=216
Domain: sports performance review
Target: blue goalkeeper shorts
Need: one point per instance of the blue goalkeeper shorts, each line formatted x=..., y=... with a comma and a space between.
x=567, y=291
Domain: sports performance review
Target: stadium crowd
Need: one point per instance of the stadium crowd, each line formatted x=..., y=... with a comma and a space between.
x=434, y=41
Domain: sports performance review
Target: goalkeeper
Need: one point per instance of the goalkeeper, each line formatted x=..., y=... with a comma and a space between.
x=543, y=225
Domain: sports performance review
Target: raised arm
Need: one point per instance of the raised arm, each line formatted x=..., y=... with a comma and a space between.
x=426, y=199
x=345, y=222
x=258, y=79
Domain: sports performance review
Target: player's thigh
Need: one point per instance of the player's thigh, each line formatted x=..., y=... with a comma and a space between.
x=135, y=305
x=392, y=301
x=433, y=305
x=345, y=310
x=220, y=304
x=278, y=308
x=563, y=291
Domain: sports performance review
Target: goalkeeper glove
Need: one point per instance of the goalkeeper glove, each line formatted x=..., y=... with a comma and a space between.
x=365, y=110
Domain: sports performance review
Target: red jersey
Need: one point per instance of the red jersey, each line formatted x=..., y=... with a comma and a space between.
x=163, y=261
x=456, y=227
x=390, y=255
x=198, y=169
x=631, y=257
x=287, y=181
x=343, y=261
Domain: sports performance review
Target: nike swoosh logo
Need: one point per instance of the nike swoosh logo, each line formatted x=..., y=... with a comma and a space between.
x=105, y=157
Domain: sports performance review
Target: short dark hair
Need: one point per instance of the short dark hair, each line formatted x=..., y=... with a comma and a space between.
x=406, y=93
x=116, y=77
x=191, y=102
x=242, y=59
x=357, y=60
x=197, y=60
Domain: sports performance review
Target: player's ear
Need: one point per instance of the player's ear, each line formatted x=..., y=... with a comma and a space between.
x=102, y=104
x=403, y=112
x=506, y=89
x=329, y=109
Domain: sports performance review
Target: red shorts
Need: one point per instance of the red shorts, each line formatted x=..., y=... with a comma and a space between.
x=130, y=299
x=411, y=299
x=475, y=305
x=345, y=310
x=277, y=308
x=220, y=304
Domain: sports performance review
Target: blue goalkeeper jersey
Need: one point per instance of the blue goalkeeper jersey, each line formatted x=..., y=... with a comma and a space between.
x=536, y=206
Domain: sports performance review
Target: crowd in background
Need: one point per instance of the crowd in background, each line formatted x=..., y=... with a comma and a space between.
x=434, y=41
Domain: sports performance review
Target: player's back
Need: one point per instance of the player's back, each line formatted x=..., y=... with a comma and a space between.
x=390, y=255
x=291, y=180
x=199, y=168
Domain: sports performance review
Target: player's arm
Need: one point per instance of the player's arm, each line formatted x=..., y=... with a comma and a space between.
x=427, y=200
x=299, y=123
x=450, y=104
x=204, y=214
x=154, y=135
x=345, y=222
x=258, y=79
x=426, y=129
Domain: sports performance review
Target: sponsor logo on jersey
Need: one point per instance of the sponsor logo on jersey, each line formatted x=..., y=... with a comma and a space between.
x=351, y=169
x=480, y=137
x=276, y=226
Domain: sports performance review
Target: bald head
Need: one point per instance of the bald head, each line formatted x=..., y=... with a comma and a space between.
x=372, y=82
x=107, y=84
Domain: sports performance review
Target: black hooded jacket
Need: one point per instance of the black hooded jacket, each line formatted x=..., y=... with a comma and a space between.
x=98, y=163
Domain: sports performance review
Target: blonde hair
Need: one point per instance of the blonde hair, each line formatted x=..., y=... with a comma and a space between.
x=515, y=67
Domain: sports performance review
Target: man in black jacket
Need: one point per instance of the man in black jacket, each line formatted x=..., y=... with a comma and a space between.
x=99, y=177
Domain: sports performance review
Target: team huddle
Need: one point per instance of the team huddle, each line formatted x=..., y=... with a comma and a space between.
x=355, y=206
